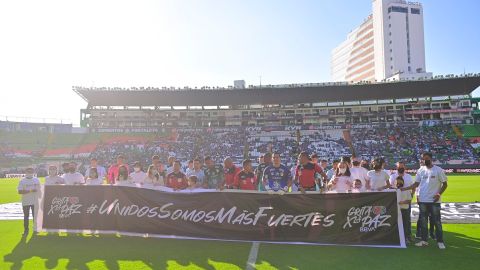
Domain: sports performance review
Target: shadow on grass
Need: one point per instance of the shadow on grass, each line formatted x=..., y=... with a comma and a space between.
x=77, y=251
x=463, y=252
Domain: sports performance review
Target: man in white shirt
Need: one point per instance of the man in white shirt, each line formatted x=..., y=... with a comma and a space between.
x=29, y=188
x=53, y=178
x=72, y=177
x=360, y=173
x=431, y=182
x=101, y=171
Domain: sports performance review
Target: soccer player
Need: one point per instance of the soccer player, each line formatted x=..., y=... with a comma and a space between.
x=431, y=182
x=230, y=171
x=307, y=174
x=277, y=177
x=267, y=161
x=137, y=176
x=29, y=188
x=214, y=175
x=113, y=170
x=379, y=179
x=342, y=180
x=100, y=170
x=72, y=177
x=246, y=179
x=53, y=178
x=176, y=179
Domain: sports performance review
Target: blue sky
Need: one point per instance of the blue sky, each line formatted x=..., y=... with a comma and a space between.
x=48, y=46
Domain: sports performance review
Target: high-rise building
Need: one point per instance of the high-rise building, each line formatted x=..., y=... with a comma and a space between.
x=388, y=45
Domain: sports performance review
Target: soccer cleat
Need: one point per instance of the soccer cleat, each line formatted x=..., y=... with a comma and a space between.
x=441, y=245
x=421, y=244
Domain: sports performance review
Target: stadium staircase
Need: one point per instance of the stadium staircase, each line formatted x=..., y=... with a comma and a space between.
x=457, y=131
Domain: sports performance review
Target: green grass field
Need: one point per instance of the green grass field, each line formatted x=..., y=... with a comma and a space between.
x=77, y=251
x=461, y=188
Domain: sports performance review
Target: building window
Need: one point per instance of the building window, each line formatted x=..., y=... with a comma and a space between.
x=391, y=58
x=389, y=33
x=391, y=67
x=415, y=10
x=389, y=25
x=398, y=9
x=409, y=68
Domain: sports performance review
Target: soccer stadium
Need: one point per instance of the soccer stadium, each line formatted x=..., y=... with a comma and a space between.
x=379, y=168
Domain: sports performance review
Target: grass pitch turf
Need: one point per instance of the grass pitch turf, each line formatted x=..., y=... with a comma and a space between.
x=77, y=251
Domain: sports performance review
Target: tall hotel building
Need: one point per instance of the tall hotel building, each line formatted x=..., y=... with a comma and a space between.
x=388, y=45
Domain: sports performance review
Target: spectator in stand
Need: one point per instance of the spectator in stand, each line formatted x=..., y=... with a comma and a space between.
x=138, y=175
x=360, y=173
x=214, y=175
x=314, y=158
x=267, y=161
x=342, y=180
x=29, y=188
x=277, y=177
x=93, y=178
x=379, y=179
x=246, y=179
x=53, y=178
x=307, y=174
x=114, y=169
x=100, y=170
x=431, y=182
x=176, y=179
x=72, y=177
x=230, y=171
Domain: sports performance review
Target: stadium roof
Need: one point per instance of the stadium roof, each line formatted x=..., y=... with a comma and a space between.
x=281, y=94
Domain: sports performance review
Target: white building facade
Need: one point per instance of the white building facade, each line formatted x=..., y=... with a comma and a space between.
x=388, y=45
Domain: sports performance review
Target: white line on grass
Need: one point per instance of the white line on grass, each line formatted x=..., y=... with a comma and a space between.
x=252, y=257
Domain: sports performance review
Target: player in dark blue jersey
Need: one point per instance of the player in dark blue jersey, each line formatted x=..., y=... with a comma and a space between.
x=277, y=177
